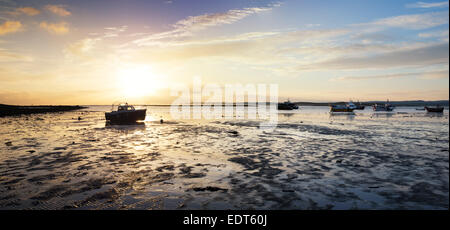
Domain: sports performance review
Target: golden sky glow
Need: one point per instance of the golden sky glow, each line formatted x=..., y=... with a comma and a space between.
x=83, y=52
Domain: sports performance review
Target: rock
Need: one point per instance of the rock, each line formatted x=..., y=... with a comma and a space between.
x=59, y=148
x=233, y=132
x=210, y=189
x=9, y=143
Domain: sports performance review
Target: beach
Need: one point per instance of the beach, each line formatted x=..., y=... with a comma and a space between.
x=312, y=160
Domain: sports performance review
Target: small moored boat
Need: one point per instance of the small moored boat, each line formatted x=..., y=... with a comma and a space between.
x=287, y=105
x=359, y=106
x=348, y=108
x=125, y=114
x=437, y=109
x=386, y=107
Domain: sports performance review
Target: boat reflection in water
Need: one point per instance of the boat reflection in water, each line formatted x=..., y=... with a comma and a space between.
x=348, y=115
x=140, y=125
x=381, y=115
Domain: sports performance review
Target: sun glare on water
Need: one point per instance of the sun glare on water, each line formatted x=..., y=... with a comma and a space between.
x=138, y=80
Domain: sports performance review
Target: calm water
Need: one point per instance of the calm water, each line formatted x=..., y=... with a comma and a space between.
x=313, y=160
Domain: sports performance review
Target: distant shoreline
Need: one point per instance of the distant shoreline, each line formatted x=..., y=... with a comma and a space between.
x=412, y=103
x=15, y=110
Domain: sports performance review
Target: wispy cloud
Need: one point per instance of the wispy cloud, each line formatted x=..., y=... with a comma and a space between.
x=187, y=26
x=30, y=11
x=8, y=56
x=423, y=56
x=58, y=10
x=420, y=75
x=114, y=31
x=411, y=21
x=245, y=48
x=81, y=48
x=10, y=27
x=428, y=4
x=55, y=28
x=441, y=34
x=434, y=75
x=312, y=25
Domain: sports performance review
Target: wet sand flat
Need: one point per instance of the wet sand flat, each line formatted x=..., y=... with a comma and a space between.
x=313, y=160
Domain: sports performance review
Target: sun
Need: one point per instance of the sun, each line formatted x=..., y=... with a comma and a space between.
x=137, y=80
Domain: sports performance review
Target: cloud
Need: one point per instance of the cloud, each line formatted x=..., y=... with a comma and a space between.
x=29, y=11
x=412, y=21
x=422, y=56
x=114, y=31
x=7, y=56
x=421, y=75
x=81, y=48
x=428, y=5
x=187, y=26
x=435, y=75
x=10, y=27
x=207, y=20
x=245, y=48
x=55, y=28
x=312, y=25
x=441, y=34
x=58, y=10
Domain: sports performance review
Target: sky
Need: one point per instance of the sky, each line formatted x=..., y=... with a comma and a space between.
x=106, y=51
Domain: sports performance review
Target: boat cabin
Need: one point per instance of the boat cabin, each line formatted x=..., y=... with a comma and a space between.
x=125, y=107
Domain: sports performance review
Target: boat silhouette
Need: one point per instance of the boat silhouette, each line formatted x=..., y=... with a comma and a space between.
x=125, y=114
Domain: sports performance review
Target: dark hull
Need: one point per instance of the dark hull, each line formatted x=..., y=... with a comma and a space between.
x=435, y=110
x=383, y=108
x=287, y=107
x=360, y=107
x=341, y=110
x=126, y=117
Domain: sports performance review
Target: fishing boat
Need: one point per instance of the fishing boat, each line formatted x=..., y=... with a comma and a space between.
x=437, y=109
x=347, y=108
x=125, y=114
x=355, y=107
x=287, y=105
x=385, y=108
x=359, y=106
